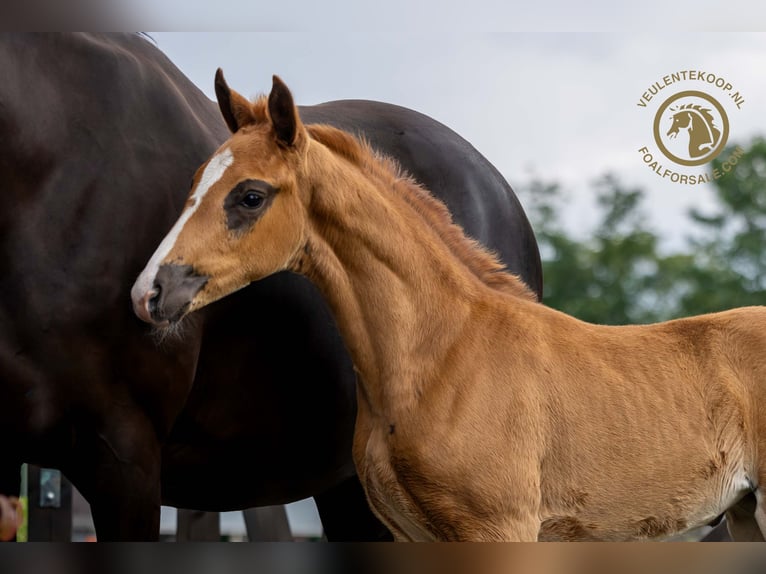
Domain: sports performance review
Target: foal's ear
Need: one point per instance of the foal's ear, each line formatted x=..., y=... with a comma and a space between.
x=236, y=110
x=283, y=113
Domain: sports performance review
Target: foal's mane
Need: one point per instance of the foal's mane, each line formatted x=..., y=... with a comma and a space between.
x=483, y=263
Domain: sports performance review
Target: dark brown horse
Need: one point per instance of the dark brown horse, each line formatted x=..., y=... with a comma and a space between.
x=99, y=138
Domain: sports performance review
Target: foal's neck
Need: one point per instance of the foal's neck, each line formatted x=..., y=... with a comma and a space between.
x=399, y=295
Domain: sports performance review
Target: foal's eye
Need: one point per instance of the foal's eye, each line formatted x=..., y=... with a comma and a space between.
x=251, y=200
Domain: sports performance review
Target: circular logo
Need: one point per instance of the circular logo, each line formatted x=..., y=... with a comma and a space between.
x=691, y=128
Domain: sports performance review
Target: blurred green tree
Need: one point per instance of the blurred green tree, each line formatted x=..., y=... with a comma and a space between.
x=606, y=278
x=728, y=244
x=619, y=274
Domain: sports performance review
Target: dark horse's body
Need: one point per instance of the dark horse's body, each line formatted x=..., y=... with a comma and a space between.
x=99, y=138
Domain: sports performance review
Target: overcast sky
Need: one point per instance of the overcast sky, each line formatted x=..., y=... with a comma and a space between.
x=450, y=17
x=560, y=105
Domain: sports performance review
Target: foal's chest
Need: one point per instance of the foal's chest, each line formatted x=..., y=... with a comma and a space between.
x=387, y=481
x=419, y=490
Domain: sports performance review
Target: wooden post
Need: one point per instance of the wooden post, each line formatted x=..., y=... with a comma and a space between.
x=197, y=525
x=267, y=524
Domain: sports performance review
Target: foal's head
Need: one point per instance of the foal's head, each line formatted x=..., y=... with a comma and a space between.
x=245, y=216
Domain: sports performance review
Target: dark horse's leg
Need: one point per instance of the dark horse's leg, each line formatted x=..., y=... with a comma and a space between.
x=741, y=522
x=10, y=475
x=719, y=533
x=346, y=515
x=118, y=472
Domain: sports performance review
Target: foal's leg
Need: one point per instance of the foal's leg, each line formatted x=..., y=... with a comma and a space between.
x=518, y=530
x=469, y=528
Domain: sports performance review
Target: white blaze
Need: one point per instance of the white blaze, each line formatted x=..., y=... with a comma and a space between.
x=212, y=174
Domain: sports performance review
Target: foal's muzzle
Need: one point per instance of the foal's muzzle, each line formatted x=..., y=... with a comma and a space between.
x=174, y=288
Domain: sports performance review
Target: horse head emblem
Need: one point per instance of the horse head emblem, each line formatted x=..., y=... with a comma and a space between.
x=698, y=122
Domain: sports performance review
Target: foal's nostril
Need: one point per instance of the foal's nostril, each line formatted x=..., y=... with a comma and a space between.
x=153, y=299
x=146, y=306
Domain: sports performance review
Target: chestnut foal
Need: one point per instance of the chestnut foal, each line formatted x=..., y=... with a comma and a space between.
x=482, y=414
